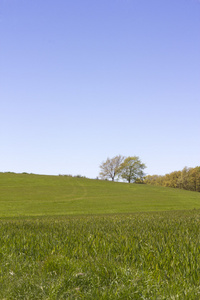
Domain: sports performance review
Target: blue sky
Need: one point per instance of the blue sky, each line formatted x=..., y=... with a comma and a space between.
x=81, y=81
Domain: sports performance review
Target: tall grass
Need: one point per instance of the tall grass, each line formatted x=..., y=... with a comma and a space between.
x=135, y=256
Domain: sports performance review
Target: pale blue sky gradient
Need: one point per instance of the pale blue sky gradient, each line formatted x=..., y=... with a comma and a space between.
x=81, y=81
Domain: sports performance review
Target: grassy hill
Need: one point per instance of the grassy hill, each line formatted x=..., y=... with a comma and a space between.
x=37, y=195
x=103, y=251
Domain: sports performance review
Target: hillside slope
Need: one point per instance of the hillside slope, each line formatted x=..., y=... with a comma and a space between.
x=36, y=195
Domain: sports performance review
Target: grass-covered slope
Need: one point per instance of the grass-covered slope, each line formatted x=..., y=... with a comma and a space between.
x=149, y=255
x=34, y=195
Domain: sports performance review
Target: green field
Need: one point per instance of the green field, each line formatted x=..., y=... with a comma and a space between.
x=75, y=238
x=37, y=195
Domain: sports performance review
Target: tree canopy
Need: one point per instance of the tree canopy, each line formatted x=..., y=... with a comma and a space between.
x=187, y=179
x=110, y=168
x=129, y=168
x=132, y=169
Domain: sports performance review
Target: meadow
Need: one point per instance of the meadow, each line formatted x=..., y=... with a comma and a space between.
x=97, y=240
x=33, y=195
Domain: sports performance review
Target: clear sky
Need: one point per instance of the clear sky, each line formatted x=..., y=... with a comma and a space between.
x=83, y=80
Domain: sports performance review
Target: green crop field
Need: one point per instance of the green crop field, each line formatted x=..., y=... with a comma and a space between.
x=34, y=195
x=76, y=238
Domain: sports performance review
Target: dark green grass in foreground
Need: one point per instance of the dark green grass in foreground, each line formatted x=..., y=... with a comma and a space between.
x=34, y=195
x=138, y=256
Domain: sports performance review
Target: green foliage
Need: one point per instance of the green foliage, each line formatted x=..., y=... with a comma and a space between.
x=187, y=179
x=129, y=168
x=132, y=169
x=139, y=256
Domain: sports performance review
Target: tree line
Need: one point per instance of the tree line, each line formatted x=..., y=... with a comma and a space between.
x=127, y=168
x=187, y=179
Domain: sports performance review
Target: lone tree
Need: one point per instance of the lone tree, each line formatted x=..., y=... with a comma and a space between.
x=111, y=167
x=132, y=169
